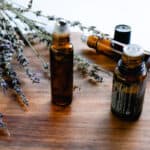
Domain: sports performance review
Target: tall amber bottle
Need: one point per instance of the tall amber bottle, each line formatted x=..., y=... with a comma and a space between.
x=61, y=60
x=129, y=83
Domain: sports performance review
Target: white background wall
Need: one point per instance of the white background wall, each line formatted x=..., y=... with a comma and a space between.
x=104, y=14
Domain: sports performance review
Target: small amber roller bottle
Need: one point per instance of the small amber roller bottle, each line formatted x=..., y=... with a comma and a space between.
x=108, y=46
x=129, y=83
x=61, y=60
x=103, y=46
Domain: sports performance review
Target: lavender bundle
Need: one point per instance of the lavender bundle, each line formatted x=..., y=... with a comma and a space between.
x=11, y=46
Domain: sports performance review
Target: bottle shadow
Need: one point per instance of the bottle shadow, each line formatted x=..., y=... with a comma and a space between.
x=120, y=134
x=100, y=59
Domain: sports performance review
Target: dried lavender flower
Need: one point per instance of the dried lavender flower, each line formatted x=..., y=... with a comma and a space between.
x=3, y=126
x=89, y=70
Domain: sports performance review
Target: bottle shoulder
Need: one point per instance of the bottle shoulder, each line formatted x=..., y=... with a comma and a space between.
x=125, y=74
x=66, y=48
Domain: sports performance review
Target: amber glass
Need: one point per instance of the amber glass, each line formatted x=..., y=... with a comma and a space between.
x=102, y=46
x=61, y=60
x=129, y=83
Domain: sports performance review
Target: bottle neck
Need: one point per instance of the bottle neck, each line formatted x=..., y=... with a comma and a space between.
x=132, y=62
x=61, y=39
x=131, y=66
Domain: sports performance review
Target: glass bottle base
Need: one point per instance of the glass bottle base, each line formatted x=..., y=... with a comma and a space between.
x=62, y=100
x=126, y=117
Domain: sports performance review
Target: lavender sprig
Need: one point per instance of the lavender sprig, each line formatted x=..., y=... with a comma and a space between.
x=3, y=126
x=3, y=84
x=89, y=70
x=18, y=45
x=7, y=72
x=15, y=84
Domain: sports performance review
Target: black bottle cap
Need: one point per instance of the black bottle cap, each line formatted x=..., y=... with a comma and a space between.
x=122, y=34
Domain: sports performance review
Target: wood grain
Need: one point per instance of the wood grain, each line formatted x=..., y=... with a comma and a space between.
x=87, y=124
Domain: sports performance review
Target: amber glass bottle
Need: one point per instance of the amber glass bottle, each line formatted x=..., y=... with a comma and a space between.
x=61, y=60
x=129, y=83
x=101, y=45
x=108, y=46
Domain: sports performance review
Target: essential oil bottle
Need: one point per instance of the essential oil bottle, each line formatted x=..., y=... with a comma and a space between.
x=61, y=65
x=111, y=47
x=129, y=84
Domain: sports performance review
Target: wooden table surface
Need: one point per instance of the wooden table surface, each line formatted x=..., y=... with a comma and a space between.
x=87, y=124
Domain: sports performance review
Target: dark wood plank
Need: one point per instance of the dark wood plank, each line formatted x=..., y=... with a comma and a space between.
x=87, y=124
